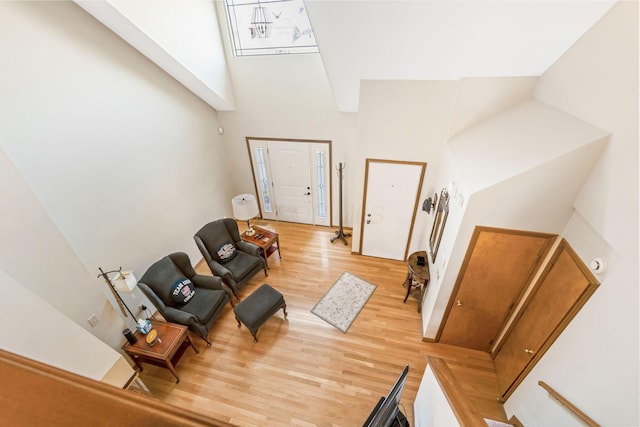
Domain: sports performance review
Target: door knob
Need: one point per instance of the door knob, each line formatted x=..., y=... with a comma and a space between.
x=529, y=351
x=368, y=221
x=368, y=214
x=307, y=194
x=459, y=303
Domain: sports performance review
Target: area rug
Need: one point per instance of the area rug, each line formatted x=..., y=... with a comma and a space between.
x=343, y=301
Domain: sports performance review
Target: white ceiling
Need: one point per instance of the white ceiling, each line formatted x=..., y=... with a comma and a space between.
x=443, y=40
x=373, y=39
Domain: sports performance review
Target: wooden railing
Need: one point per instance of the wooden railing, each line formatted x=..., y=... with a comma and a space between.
x=584, y=417
x=34, y=394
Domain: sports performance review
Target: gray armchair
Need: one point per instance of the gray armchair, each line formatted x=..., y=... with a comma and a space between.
x=202, y=307
x=236, y=263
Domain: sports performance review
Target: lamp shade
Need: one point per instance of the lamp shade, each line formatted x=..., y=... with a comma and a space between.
x=124, y=281
x=245, y=207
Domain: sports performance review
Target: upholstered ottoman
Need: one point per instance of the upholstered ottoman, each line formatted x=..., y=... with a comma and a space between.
x=255, y=310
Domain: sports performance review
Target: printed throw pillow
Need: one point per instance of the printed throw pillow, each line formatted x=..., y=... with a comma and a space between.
x=182, y=291
x=226, y=252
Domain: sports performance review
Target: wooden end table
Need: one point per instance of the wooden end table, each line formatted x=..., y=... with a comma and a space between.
x=268, y=241
x=417, y=274
x=166, y=352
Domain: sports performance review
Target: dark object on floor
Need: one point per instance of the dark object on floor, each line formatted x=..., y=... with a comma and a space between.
x=340, y=234
x=258, y=307
x=204, y=305
x=387, y=411
x=129, y=336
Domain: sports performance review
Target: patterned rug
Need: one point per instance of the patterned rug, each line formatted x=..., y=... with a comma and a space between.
x=342, y=303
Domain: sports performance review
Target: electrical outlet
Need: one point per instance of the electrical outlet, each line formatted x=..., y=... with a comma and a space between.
x=93, y=320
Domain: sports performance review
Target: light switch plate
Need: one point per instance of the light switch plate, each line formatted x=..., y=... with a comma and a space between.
x=93, y=320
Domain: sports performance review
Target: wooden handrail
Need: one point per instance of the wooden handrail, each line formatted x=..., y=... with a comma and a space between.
x=584, y=417
x=34, y=394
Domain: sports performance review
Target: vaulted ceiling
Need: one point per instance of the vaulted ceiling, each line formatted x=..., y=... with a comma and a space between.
x=443, y=40
x=383, y=40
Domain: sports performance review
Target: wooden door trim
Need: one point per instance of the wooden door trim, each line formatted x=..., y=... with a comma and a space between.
x=248, y=140
x=465, y=263
x=415, y=205
x=575, y=308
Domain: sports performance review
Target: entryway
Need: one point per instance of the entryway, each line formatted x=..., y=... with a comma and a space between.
x=292, y=179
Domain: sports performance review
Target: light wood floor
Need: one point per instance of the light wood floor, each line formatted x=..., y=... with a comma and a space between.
x=303, y=371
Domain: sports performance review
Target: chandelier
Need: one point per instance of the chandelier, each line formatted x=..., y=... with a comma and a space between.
x=260, y=23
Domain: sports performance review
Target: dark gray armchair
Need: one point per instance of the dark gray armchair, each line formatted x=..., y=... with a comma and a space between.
x=161, y=284
x=236, y=264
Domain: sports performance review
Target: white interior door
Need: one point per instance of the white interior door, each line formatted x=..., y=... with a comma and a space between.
x=391, y=199
x=292, y=179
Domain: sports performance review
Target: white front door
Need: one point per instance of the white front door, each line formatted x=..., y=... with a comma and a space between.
x=292, y=179
x=392, y=191
x=290, y=171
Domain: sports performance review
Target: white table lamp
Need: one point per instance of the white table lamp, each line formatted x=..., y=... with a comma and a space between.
x=245, y=207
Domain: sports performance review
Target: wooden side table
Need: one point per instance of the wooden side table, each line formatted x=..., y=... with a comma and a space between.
x=417, y=276
x=166, y=352
x=268, y=241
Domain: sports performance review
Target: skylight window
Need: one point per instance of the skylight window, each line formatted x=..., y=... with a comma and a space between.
x=274, y=27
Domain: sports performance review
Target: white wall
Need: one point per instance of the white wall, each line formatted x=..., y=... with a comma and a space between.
x=402, y=40
x=435, y=410
x=518, y=139
x=406, y=121
x=597, y=81
x=182, y=38
x=188, y=31
x=594, y=363
x=125, y=161
x=412, y=120
x=286, y=97
x=506, y=172
x=35, y=253
x=482, y=98
x=290, y=97
x=531, y=200
x=443, y=270
x=40, y=332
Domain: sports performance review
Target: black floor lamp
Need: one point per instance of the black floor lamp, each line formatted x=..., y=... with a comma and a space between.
x=128, y=282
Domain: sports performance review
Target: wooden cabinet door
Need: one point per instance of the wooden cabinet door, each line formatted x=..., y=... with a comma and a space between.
x=498, y=265
x=557, y=296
